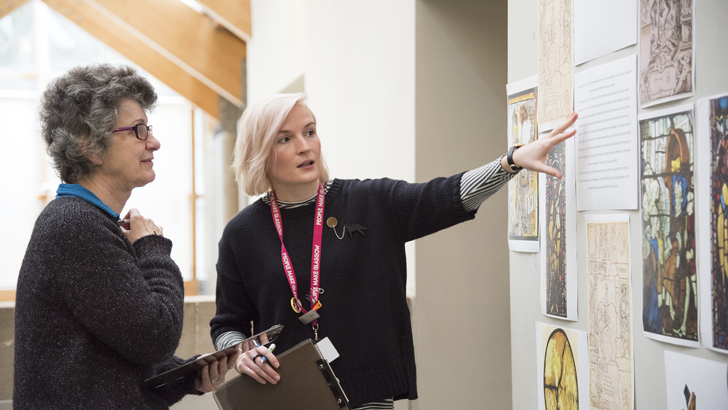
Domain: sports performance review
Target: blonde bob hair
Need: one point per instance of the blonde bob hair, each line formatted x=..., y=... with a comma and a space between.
x=257, y=132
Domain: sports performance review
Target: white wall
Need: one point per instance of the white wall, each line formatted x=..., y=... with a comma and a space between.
x=357, y=59
x=649, y=362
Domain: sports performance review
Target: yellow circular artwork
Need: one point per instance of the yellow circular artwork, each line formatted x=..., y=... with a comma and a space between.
x=561, y=389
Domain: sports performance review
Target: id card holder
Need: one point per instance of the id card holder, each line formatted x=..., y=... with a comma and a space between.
x=309, y=317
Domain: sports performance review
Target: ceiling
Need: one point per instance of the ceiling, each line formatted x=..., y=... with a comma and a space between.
x=201, y=55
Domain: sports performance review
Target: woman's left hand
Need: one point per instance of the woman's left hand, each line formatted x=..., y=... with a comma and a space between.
x=212, y=375
x=532, y=156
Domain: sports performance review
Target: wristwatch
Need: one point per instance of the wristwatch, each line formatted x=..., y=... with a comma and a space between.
x=509, y=157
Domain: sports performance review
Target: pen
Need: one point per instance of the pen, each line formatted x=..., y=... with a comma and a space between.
x=264, y=359
x=122, y=222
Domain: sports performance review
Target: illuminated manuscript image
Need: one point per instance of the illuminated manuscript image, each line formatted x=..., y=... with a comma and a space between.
x=670, y=299
x=666, y=50
x=523, y=222
x=560, y=381
x=555, y=66
x=610, y=324
x=556, y=234
x=719, y=220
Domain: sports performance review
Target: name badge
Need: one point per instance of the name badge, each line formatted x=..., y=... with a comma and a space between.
x=309, y=317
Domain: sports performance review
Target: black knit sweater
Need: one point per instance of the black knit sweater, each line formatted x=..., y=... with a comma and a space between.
x=364, y=308
x=95, y=315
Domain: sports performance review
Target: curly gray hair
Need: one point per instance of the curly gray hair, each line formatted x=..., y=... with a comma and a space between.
x=79, y=110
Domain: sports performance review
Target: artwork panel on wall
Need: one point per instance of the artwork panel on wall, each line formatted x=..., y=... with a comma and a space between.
x=609, y=273
x=695, y=383
x=562, y=367
x=670, y=291
x=711, y=193
x=555, y=62
x=602, y=27
x=558, y=238
x=666, y=49
x=523, y=196
x=606, y=139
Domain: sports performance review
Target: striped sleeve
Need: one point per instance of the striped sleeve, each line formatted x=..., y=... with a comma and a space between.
x=479, y=184
x=228, y=339
x=387, y=404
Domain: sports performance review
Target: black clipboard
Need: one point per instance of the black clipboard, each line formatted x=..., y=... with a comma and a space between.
x=263, y=338
x=307, y=383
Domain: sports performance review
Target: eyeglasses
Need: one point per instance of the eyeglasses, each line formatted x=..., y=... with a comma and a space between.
x=141, y=130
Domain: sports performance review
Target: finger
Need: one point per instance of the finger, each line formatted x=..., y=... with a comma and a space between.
x=222, y=367
x=550, y=171
x=233, y=359
x=214, y=372
x=568, y=122
x=265, y=374
x=264, y=351
x=205, y=376
x=561, y=137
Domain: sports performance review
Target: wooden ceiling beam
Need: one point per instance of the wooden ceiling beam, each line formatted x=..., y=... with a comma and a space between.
x=108, y=31
x=187, y=38
x=9, y=6
x=234, y=15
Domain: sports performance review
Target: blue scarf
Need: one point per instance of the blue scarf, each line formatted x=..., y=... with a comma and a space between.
x=79, y=191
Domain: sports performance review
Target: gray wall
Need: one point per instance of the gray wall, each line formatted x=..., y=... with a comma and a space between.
x=462, y=335
x=649, y=359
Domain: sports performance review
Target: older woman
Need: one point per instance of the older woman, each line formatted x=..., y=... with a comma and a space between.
x=276, y=258
x=99, y=304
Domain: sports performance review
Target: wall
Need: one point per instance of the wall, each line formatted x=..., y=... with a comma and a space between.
x=462, y=338
x=649, y=359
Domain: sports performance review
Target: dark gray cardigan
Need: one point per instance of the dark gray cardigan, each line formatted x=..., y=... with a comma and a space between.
x=95, y=315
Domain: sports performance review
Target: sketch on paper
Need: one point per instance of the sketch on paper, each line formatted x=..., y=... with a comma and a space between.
x=610, y=323
x=670, y=303
x=560, y=381
x=555, y=67
x=556, y=234
x=719, y=220
x=523, y=224
x=666, y=50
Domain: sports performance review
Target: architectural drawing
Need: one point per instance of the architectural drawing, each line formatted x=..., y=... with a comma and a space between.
x=719, y=220
x=560, y=381
x=556, y=234
x=666, y=50
x=670, y=303
x=555, y=66
x=610, y=324
x=523, y=222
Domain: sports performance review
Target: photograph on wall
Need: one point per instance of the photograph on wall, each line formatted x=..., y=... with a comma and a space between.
x=558, y=236
x=523, y=225
x=667, y=63
x=694, y=383
x=602, y=27
x=712, y=219
x=670, y=297
x=561, y=367
x=611, y=364
x=555, y=62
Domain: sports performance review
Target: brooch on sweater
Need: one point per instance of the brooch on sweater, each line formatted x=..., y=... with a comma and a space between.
x=332, y=222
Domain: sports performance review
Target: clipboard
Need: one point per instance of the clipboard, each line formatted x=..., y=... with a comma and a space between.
x=262, y=338
x=307, y=383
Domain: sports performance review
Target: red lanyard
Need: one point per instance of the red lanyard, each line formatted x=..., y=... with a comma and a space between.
x=318, y=226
